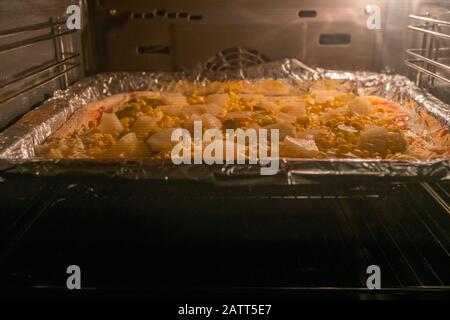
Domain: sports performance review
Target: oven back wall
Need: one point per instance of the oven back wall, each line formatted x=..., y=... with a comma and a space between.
x=177, y=35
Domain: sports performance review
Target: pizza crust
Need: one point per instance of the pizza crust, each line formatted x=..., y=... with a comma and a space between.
x=94, y=110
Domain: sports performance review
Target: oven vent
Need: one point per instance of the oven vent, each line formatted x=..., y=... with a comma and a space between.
x=234, y=59
x=307, y=13
x=162, y=13
x=334, y=39
x=153, y=50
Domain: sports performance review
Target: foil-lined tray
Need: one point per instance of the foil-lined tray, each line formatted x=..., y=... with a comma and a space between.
x=17, y=154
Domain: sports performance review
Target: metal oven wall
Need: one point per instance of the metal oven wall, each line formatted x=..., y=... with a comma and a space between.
x=398, y=37
x=179, y=35
x=13, y=63
x=184, y=35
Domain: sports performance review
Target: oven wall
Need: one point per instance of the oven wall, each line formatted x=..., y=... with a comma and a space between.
x=178, y=35
x=19, y=13
x=397, y=37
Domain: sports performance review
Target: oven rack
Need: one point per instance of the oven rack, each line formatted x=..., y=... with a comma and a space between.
x=39, y=75
x=433, y=58
x=227, y=239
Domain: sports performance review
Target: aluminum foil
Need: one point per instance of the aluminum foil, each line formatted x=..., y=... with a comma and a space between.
x=17, y=143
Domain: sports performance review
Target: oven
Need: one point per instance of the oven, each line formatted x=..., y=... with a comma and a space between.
x=172, y=239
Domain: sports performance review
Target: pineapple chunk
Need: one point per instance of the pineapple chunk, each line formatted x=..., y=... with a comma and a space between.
x=174, y=99
x=161, y=141
x=141, y=150
x=301, y=148
x=374, y=139
x=110, y=123
x=219, y=99
x=123, y=148
x=143, y=126
x=209, y=121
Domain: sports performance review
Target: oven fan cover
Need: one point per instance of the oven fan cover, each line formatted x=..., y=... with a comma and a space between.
x=234, y=59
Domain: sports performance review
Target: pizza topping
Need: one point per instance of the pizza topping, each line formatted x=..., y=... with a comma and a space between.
x=374, y=139
x=300, y=148
x=328, y=121
x=144, y=125
x=123, y=148
x=161, y=141
x=109, y=123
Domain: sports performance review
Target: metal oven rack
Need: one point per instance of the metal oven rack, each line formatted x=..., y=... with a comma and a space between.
x=22, y=38
x=433, y=58
x=306, y=241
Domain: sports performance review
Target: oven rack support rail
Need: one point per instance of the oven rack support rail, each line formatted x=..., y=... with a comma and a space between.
x=40, y=75
x=432, y=58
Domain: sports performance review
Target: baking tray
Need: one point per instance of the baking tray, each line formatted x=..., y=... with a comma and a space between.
x=17, y=143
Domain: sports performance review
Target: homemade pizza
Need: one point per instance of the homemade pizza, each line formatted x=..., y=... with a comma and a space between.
x=326, y=121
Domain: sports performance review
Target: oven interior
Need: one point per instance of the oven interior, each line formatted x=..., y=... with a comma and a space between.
x=164, y=239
